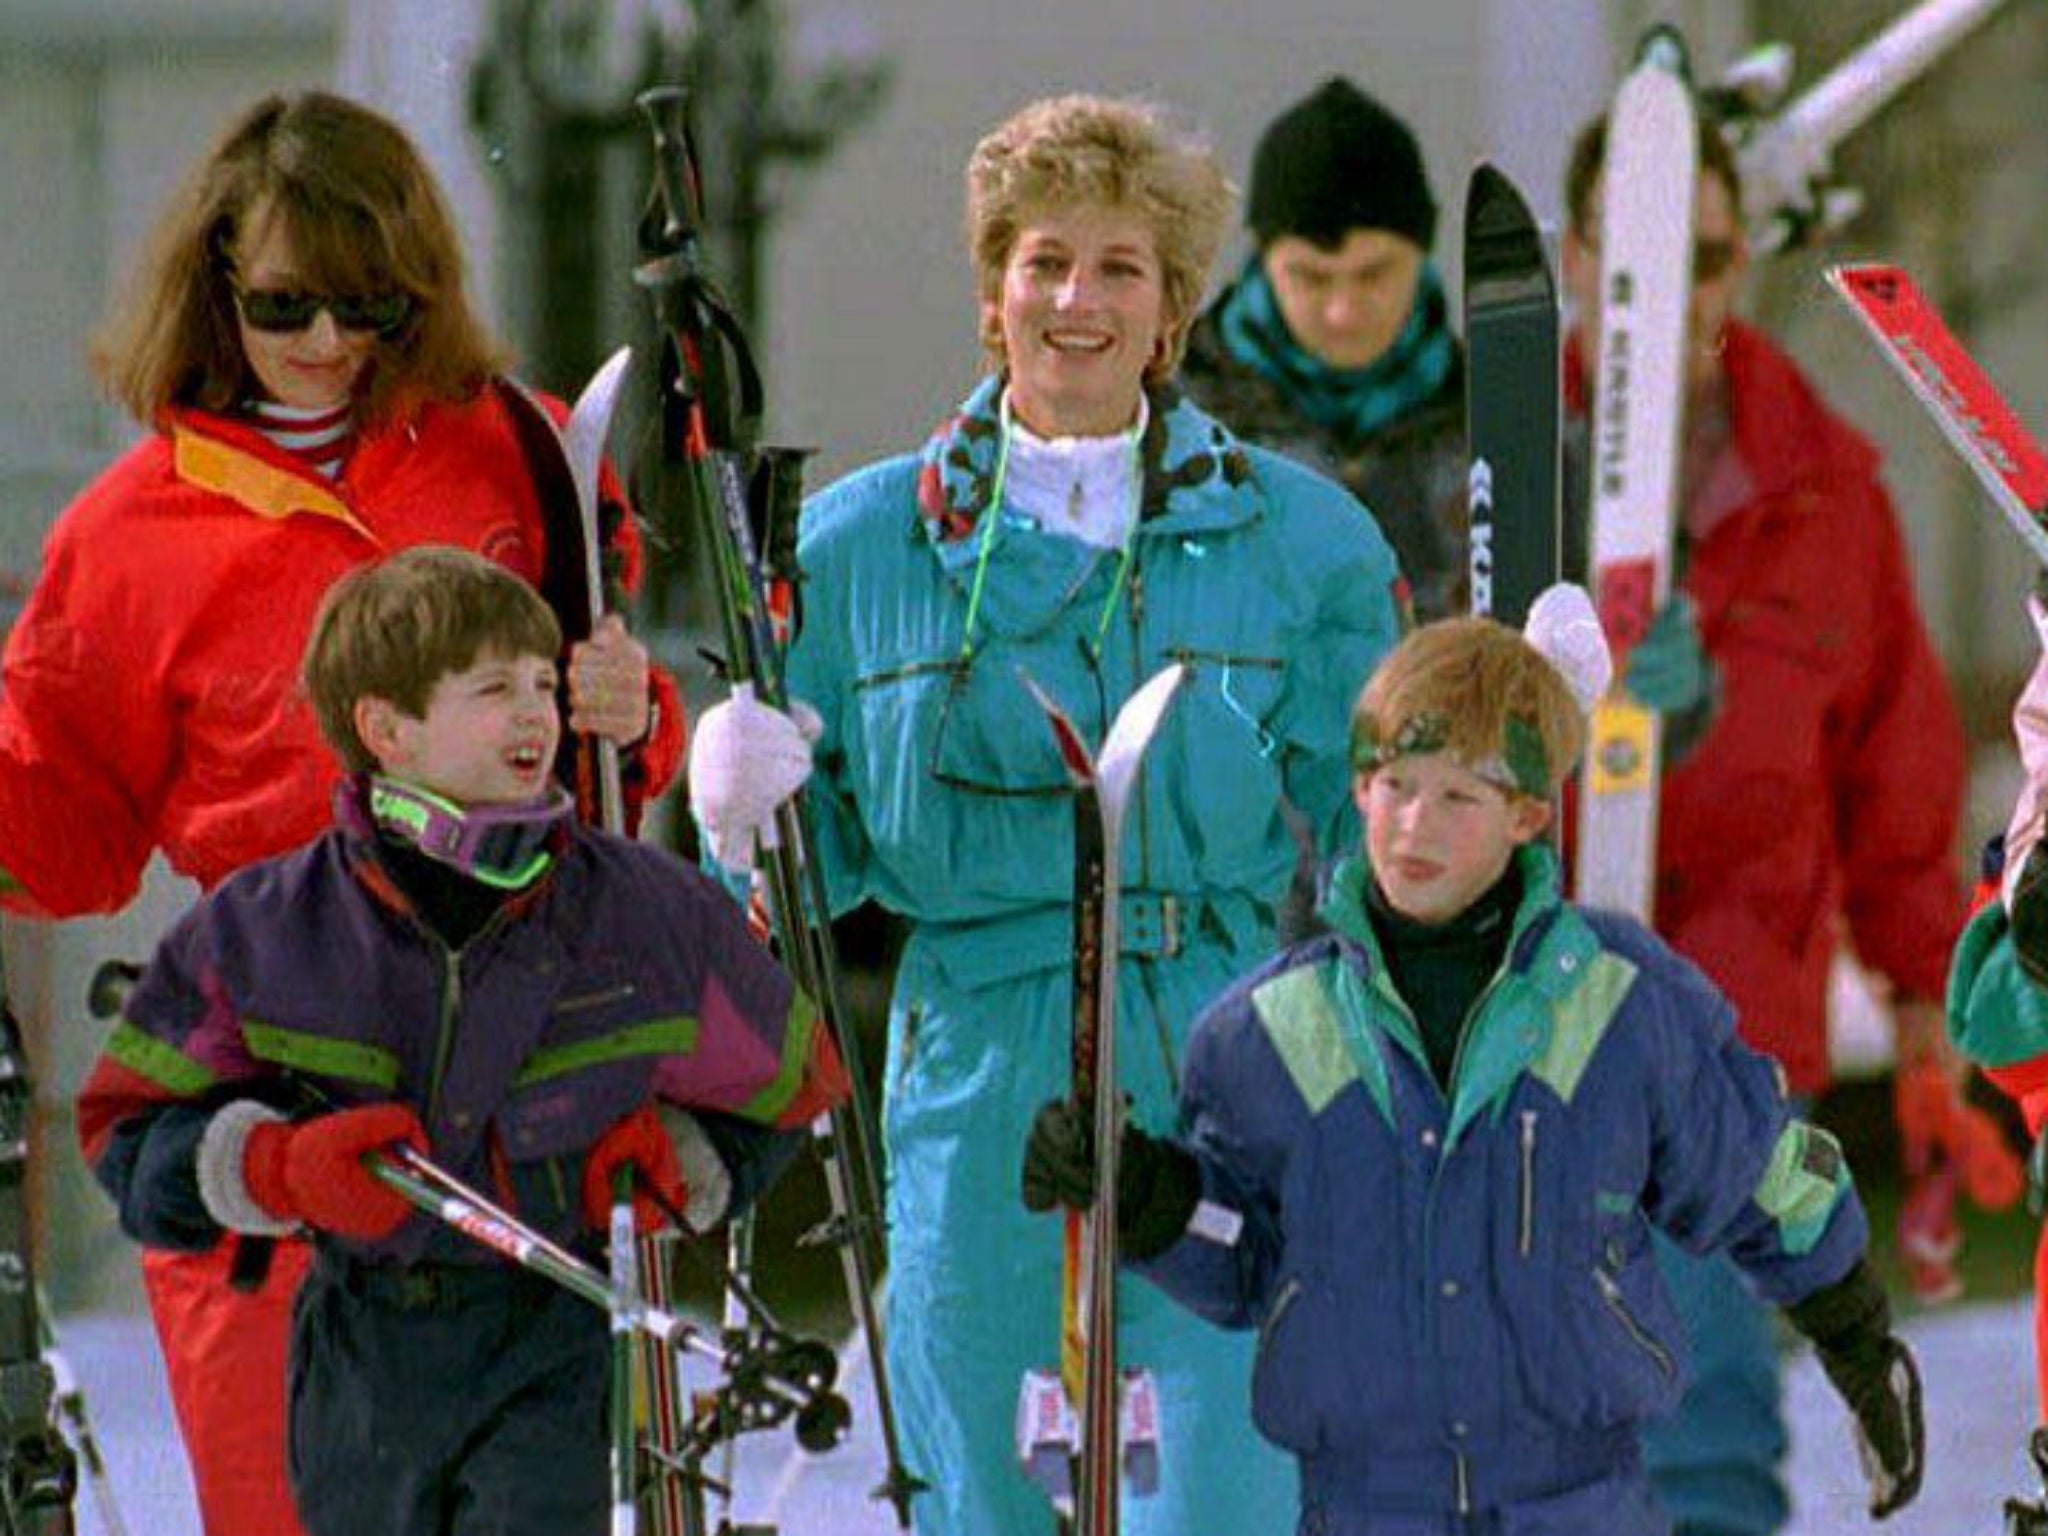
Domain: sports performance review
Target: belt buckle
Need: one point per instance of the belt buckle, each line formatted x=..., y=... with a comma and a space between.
x=1169, y=926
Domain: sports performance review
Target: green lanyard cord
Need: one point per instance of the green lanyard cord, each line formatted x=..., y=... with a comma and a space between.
x=992, y=516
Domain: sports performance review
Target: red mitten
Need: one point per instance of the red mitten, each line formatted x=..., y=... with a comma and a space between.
x=1947, y=1144
x=1930, y=1237
x=1993, y=1172
x=638, y=1139
x=313, y=1170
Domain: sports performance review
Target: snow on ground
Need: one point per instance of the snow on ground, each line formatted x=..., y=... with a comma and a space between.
x=1976, y=1362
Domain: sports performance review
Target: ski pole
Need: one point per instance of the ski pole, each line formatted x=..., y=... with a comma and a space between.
x=440, y=1194
x=710, y=406
x=769, y=1380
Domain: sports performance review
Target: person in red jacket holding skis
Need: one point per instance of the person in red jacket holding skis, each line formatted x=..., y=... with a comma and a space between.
x=317, y=392
x=1814, y=766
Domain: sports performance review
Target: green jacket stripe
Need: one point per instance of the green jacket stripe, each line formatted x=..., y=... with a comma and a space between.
x=1302, y=1020
x=1579, y=1020
x=797, y=1030
x=675, y=1036
x=160, y=1063
x=1805, y=1178
x=350, y=1060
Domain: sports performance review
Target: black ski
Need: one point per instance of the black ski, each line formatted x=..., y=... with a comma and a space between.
x=1512, y=401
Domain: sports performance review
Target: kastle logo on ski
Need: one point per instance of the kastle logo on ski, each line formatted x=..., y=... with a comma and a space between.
x=1479, y=500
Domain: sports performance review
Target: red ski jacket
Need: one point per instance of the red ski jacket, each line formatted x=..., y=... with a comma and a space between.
x=151, y=692
x=1828, y=788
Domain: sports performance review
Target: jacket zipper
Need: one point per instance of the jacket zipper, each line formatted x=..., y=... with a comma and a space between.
x=1610, y=1292
x=451, y=999
x=444, y=1038
x=1137, y=612
x=1526, y=1234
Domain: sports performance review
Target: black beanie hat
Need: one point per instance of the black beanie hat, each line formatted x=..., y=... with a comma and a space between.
x=1336, y=161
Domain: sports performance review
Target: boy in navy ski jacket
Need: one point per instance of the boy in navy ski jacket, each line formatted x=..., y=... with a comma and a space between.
x=1423, y=1152
x=456, y=964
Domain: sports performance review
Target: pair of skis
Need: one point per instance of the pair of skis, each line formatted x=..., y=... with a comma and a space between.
x=1513, y=410
x=1091, y=1428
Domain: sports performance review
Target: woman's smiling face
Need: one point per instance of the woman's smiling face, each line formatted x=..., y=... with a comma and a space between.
x=1082, y=311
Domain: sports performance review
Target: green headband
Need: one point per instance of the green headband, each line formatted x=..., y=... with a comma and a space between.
x=1521, y=765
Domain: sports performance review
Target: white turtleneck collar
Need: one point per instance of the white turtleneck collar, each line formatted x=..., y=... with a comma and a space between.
x=1084, y=487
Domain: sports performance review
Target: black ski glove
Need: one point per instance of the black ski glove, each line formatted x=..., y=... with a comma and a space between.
x=1158, y=1184
x=1850, y=1325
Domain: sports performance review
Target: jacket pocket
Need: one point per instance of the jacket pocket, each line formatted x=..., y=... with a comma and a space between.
x=1287, y=1377
x=1635, y=1362
x=1616, y=1302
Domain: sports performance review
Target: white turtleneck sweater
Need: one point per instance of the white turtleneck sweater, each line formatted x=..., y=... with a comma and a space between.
x=1083, y=487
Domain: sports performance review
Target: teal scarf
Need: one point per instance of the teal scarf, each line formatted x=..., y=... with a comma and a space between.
x=1353, y=400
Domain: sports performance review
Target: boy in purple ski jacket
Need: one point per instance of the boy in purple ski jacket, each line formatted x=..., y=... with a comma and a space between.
x=459, y=965
x=1423, y=1153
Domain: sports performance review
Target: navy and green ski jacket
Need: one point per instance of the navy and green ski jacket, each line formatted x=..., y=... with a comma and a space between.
x=1455, y=1296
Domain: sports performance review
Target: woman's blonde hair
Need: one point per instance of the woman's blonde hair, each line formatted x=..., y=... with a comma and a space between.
x=1113, y=153
x=1475, y=689
x=363, y=215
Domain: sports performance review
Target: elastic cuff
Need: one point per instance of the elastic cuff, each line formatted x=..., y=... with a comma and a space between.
x=223, y=1189
x=1853, y=1306
x=703, y=1171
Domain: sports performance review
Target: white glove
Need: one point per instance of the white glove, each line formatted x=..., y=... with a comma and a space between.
x=1565, y=630
x=746, y=758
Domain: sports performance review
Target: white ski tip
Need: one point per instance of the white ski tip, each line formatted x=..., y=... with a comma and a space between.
x=1132, y=730
x=590, y=424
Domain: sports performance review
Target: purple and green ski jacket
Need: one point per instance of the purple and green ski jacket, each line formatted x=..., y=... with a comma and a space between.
x=619, y=978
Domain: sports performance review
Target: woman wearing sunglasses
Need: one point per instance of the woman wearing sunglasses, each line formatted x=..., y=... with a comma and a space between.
x=1076, y=520
x=317, y=392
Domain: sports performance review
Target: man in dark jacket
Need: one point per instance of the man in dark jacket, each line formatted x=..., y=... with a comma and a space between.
x=1334, y=343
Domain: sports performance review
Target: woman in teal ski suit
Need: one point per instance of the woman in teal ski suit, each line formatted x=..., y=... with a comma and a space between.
x=1076, y=521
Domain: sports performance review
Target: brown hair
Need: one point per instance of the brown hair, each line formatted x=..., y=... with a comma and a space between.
x=1589, y=154
x=1454, y=686
x=363, y=215
x=393, y=629
x=1119, y=154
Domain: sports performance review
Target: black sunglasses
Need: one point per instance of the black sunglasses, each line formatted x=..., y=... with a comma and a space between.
x=284, y=310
